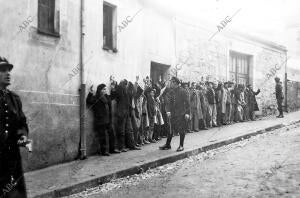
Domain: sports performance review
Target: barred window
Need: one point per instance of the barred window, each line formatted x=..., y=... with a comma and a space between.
x=239, y=67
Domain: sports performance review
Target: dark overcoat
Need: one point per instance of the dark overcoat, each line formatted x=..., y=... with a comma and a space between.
x=279, y=92
x=252, y=103
x=12, y=126
x=178, y=103
x=211, y=97
x=123, y=100
x=101, y=106
x=195, y=103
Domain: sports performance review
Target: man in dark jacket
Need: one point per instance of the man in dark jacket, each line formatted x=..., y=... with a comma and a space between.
x=279, y=96
x=13, y=133
x=211, y=97
x=196, y=110
x=186, y=87
x=233, y=93
x=178, y=111
x=101, y=106
x=252, y=103
x=123, y=112
x=204, y=106
x=151, y=114
x=221, y=95
x=228, y=103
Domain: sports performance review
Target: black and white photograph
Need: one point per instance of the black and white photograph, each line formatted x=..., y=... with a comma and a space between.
x=149, y=98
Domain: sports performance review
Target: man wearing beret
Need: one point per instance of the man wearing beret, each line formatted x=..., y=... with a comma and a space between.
x=13, y=133
x=178, y=111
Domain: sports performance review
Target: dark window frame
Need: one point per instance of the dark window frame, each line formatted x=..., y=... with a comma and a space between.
x=48, y=18
x=109, y=27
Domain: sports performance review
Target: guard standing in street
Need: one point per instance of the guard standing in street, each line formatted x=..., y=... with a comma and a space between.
x=279, y=96
x=178, y=111
x=13, y=133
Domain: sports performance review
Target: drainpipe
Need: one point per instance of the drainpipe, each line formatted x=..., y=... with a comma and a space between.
x=82, y=86
x=285, y=84
x=175, y=46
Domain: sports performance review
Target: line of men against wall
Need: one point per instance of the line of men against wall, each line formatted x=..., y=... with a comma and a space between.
x=135, y=114
x=132, y=115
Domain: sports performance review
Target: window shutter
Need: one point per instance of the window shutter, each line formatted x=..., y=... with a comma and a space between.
x=110, y=14
x=105, y=22
x=107, y=26
x=46, y=16
x=51, y=15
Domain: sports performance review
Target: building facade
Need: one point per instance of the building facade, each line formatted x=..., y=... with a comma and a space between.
x=293, y=89
x=121, y=38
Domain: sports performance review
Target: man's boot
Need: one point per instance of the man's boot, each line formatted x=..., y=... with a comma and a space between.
x=165, y=147
x=115, y=151
x=180, y=148
x=122, y=144
x=135, y=148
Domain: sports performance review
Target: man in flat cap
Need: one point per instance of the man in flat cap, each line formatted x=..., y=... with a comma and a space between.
x=178, y=111
x=279, y=96
x=13, y=133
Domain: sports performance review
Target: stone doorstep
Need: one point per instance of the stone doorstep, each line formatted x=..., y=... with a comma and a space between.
x=153, y=164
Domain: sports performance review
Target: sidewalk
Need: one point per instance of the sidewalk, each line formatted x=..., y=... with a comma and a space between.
x=73, y=177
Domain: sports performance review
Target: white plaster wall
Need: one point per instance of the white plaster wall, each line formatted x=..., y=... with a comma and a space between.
x=210, y=58
x=147, y=38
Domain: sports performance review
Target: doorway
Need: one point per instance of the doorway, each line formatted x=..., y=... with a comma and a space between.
x=239, y=67
x=159, y=70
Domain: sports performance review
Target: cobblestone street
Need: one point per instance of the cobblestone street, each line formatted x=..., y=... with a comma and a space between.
x=264, y=166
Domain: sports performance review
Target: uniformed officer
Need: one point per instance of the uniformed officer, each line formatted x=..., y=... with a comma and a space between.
x=279, y=96
x=13, y=133
x=178, y=111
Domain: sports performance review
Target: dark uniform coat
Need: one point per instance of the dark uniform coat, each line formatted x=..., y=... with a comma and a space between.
x=279, y=97
x=179, y=105
x=12, y=126
x=279, y=92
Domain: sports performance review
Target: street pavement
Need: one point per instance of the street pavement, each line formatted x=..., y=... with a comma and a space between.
x=73, y=177
x=266, y=165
